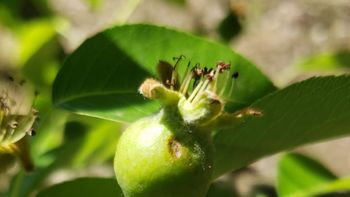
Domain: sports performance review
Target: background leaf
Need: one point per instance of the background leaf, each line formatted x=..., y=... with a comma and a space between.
x=300, y=176
x=221, y=189
x=102, y=76
x=313, y=110
x=326, y=61
x=87, y=142
x=33, y=36
x=297, y=172
x=87, y=187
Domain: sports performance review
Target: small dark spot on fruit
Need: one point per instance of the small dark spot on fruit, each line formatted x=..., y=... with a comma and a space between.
x=174, y=148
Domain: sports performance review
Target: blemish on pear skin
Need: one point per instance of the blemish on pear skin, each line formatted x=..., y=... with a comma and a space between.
x=174, y=148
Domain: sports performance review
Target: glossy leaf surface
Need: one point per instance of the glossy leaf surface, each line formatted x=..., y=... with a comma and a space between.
x=310, y=111
x=102, y=76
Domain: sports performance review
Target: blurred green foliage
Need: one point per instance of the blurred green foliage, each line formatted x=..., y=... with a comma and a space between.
x=87, y=187
x=326, y=61
x=63, y=141
x=301, y=176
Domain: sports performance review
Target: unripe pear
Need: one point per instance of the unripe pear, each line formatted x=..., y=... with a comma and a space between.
x=157, y=158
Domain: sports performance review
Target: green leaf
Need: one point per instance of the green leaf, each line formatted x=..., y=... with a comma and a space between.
x=98, y=144
x=102, y=76
x=300, y=176
x=87, y=141
x=221, y=189
x=306, y=112
x=32, y=36
x=297, y=172
x=326, y=61
x=7, y=14
x=87, y=187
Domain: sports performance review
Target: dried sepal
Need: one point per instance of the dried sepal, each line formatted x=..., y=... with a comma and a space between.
x=153, y=89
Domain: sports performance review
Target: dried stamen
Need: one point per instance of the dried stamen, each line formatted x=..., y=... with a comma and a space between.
x=31, y=132
x=197, y=73
x=233, y=84
x=174, y=77
x=204, y=79
x=235, y=75
x=186, y=80
x=195, y=91
x=227, y=78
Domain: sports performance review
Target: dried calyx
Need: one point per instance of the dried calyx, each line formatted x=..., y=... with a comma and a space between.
x=17, y=115
x=199, y=98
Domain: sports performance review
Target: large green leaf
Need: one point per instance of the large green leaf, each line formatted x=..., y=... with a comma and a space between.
x=300, y=176
x=313, y=110
x=87, y=187
x=102, y=76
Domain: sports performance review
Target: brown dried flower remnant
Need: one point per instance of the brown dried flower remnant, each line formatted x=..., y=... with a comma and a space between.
x=17, y=116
